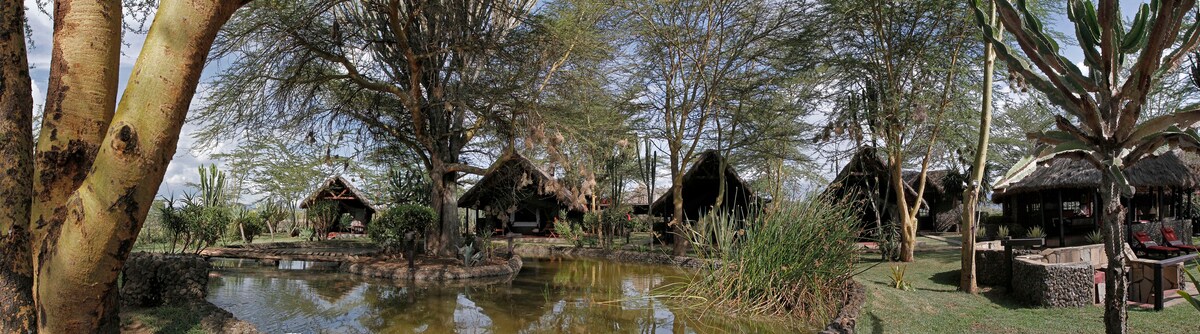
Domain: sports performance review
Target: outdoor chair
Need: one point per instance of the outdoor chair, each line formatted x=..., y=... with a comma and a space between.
x=1147, y=245
x=1172, y=240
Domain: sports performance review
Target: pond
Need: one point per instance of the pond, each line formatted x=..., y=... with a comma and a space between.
x=547, y=296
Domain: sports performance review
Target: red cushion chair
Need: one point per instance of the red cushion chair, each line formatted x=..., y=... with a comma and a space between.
x=1148, y=245
x=1173, y=240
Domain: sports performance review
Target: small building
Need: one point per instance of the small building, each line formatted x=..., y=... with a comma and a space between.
x=349, y=201
x=1061, y=195
x=515, y=196
x=701, y=187
x=865, y=181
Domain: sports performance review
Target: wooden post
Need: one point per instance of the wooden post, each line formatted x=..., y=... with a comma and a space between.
x=1158, y=287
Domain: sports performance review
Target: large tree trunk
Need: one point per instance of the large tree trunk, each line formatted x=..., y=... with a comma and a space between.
x=442, y=238
x=16, y=186
x=680, y=237
x=85, y=238
x=1115, y=281
x=908, y=224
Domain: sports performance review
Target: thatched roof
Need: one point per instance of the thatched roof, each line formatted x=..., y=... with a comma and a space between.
x=514, y=176
x=705, y=169
x=1171, y=169
x=866, y=164
x=337, y=188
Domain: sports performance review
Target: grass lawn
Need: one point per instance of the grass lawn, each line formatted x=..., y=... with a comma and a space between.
x=934, y=306
x=261, y=239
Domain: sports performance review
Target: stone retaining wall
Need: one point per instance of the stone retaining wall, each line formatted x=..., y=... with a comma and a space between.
x=991, y=268
x=1052, y=284
x=151, y=279
x=398, y=270
x=855, y=297
x=614, y=255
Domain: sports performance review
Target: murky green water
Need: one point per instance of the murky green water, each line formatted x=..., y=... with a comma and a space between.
x=548, y=296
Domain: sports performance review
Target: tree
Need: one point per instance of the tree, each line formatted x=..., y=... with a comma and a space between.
x=16, y=187
x=690, y=55
x=97, y=163
x=899, y=65
x=967, y=280
x=1106, y=103
x=412, y=73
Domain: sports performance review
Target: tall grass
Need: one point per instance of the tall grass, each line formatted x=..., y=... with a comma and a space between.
x=794, y=262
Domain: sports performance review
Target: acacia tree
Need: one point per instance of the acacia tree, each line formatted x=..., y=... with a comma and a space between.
x=1106, y=102
x=899, y=64
x=98, y=163
x=412, y=73
x=690, y=54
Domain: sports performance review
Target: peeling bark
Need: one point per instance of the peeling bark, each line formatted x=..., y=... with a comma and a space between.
x=16, y=145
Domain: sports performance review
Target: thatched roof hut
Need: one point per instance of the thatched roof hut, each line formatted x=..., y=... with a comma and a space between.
x=514, y=176
x=701, y=185
x=866, y=181
x=516, y=193
x=1169, y=170
x=349, y=200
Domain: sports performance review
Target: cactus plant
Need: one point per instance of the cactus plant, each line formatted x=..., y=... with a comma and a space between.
x=1106, y=103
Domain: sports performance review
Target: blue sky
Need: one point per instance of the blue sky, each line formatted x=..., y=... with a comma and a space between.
x=182, y=169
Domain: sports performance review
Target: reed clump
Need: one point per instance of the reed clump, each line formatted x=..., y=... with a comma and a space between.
x=794, y=262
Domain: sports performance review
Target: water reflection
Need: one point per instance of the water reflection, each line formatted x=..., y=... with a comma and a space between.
x=548, y=296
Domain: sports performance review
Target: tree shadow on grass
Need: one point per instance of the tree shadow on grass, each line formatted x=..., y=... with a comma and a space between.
x=876, y=323
x=1001, y=297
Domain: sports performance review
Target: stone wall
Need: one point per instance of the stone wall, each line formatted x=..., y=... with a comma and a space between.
x=1052, y=284
x=151, y=279
x=991, y=268
x=1141, y=282
x=854, y=297
x=542, y=251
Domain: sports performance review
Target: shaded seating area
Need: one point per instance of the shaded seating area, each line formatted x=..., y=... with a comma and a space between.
x=1143, y=243
x=1061, y=196
x=515, y=196
x=1172, y=240
x=349, y=201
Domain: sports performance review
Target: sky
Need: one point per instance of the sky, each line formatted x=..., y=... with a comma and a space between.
x=183, y=167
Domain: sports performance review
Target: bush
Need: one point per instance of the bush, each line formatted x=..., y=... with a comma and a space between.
x=792, y=262
x=322, y=215
x=398, y=226
x=1035, y=232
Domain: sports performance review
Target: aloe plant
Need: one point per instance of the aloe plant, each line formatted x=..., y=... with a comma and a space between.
x=1105, y=102
x=1035, y=232
x=470, y=255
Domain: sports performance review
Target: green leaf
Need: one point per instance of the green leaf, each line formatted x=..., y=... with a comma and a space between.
x=1137, y=35
x=1119, y=179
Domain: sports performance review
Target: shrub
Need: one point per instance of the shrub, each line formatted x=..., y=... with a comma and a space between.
x=568, y=231
x=792, y=262
x=323, y=214
x=400, y=226
x=1035, y=232
x=1095, y=237
x=898, y=280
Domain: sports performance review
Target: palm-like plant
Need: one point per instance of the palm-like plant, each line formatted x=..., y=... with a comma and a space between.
x=1105, y=102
